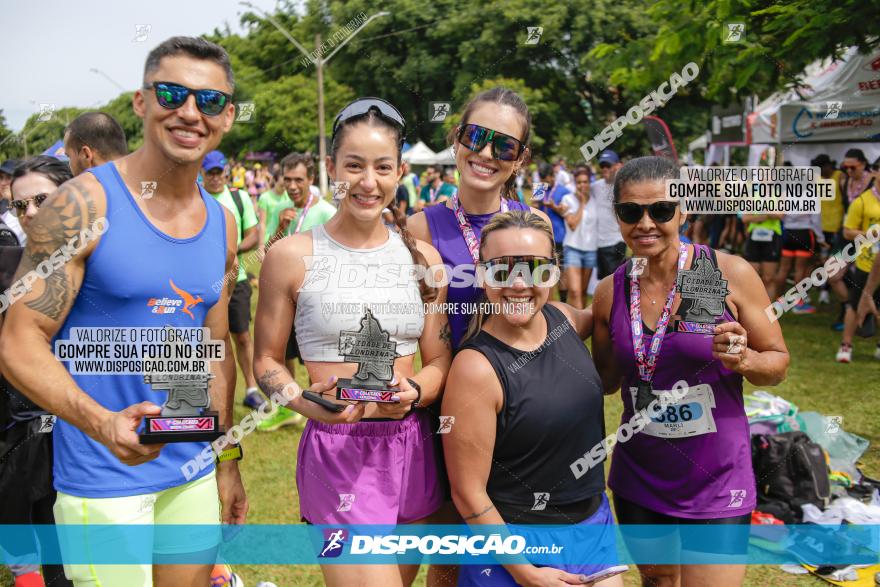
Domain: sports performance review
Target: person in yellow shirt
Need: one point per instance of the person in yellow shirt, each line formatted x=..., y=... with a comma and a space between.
x=862, y=220
x=238, y=172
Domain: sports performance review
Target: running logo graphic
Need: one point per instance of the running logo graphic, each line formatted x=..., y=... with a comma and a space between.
x=541, y=500
x=487, y=572
x=737, y=496
x=833, y=110
x=346, y=500
x=446, y=423
x=534, y=34
x=141, y=32
x=439, y=111
x=148, y=188
x=245, y=112
x=47, y=423
x=334, y=540
x=735, y=32
x=638, y=266
x=46, y=112
x=319, y=269
x=833, y=424
x=166, y=305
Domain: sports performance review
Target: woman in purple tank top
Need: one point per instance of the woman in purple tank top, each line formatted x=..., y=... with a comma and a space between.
x=491, y=143
x=685, y=459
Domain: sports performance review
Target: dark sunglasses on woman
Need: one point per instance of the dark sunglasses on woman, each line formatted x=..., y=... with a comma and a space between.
x=631, y=213
x=534, y=271
x=504, y=147
x=172, y=96
x=21, y=206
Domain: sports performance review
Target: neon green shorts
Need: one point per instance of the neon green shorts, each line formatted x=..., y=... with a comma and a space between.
x=196, y=502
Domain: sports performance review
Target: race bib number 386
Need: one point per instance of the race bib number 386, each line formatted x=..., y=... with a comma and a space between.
x=690, y=416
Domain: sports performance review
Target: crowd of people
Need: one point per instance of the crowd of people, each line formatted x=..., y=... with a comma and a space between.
x=503, y=362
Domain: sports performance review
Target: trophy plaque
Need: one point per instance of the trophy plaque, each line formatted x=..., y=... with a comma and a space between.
x=185, y=416
x=373, y=350
x=702, y=291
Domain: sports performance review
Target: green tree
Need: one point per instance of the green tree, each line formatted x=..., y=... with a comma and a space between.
x=285, y=116
x=9, y=145
x=120, y=109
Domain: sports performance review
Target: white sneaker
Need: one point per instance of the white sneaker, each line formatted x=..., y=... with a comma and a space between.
x=824, y=297
x=877, y=352
x=844, y=354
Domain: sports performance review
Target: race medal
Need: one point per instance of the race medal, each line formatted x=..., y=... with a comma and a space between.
x=646, y=357
x=373, y=350
x=702, y=290
x=644, y=395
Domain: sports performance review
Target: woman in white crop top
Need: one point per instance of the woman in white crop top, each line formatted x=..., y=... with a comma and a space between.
x=373, y=463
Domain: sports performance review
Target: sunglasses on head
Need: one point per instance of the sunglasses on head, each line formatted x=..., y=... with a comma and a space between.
x=363, y=106
x=504, y=147
x=22, y=205
x=534, y=271
x=631, y=213
x=172, y=96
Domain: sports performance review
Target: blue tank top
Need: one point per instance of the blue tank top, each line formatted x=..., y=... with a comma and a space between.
x=134, y=264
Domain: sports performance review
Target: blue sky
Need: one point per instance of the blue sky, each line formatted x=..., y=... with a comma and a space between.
x=48, y=47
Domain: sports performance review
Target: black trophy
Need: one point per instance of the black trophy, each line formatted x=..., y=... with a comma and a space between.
x=373, y=350
x=185, y=416
x=702, y=291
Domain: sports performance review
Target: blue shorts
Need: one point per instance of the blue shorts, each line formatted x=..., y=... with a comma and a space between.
x=603, y=548
x=572, y=257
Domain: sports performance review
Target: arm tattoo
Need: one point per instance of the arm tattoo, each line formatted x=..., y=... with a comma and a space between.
x=269, y=382
x=477, y=515
x=61, y=218
x=446, y=335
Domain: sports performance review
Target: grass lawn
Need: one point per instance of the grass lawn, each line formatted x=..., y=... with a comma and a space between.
x=815, y=383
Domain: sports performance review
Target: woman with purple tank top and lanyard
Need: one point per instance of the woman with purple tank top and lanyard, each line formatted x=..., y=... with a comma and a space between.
x=491, y=144
x=691, y=464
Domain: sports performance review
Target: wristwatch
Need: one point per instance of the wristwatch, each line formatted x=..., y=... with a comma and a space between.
x=418, y=389
x=233, y=453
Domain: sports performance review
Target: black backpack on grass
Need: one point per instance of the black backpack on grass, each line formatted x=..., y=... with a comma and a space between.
x=790, y=470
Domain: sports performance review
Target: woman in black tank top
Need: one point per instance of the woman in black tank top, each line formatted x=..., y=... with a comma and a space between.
x=522, y=404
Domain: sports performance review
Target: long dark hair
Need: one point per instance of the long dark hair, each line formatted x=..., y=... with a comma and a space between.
x=372, y=118
x=507, y=97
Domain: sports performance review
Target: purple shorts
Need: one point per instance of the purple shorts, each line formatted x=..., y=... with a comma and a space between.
x=368, y=472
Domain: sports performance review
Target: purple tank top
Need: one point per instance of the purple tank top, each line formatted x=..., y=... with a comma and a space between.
x=704, y=475
x=447, y=239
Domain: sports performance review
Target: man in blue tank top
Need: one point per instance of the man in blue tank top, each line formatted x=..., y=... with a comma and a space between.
x=149, y=245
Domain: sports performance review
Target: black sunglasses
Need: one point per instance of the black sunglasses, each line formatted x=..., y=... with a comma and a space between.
x=363, y=106
x=504, y=147
x=172, y=96
x=21, y=206
x=631, y=213
x=501, y=271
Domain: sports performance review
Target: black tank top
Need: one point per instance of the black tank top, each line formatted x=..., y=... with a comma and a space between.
x=552, y=415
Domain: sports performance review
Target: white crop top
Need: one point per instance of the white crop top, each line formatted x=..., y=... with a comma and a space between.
x=342, y=283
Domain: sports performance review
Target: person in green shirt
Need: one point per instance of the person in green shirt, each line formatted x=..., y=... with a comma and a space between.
x=409, y=180
x=242, y=208
x=306, y=210
x=435, y=190
x=271, y=203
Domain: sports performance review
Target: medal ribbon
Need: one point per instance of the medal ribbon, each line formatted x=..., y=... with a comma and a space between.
x=646, y=360
x=470, y=238
x=305, y=211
